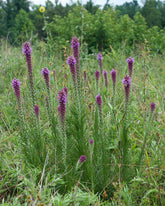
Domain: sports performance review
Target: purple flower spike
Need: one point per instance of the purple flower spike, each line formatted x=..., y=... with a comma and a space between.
x=62, y=97
x=98, y=100
x=100, y=60
x=113, y=75
x=152, y=106
x=130, y=62
x=65, y=89
x=62, y=102
x=97, y=75
x=36, y=110
x=105, y=73
x=99, y=104
x=85, y=74
x=75, y=43
x=45, y=71
x=72, y=62
x=127, y=82
x=16, y=86
x=54, y=73
x=27, y=51
x=99, y=57
x=91, y=141
x=82, y=158
x=26, y=48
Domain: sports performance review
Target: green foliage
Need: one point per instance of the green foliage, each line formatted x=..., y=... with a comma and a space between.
x=152, y=13
x=32, y=158
x=3, y=26
x=129, y=8
x=124, y=26
x=91, y=7
x=24, y=27
x=103, y=30
x=139, y=28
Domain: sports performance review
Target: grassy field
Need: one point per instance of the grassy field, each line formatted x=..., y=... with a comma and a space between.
x=40, y=156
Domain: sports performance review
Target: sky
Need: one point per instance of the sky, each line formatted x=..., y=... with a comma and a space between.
x=99, y=2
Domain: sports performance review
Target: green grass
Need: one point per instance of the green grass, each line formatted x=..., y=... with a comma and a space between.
x=98, y=181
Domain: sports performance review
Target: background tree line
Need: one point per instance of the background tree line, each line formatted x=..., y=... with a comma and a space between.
x=99, y=28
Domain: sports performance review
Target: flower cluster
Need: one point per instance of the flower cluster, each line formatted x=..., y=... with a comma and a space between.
x=99, y=57
x=27, y=51
x=152, y=106
x=36, y=111
x=16, y=86
x=26, y=48
x=113, y=76
x=62, y=99
x=105, y=73
x=85, y=74
x=54, y=73
x=127, y=83
x=82, y=158
x=98, y=100
x=91, y=141
x=75, y=43
x=97, y=75
x=100, y=60
x=130, y=62
x=72, y=62
x=45, y=71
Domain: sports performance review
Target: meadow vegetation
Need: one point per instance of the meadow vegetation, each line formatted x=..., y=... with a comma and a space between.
x=42, y=153
x=82, y=110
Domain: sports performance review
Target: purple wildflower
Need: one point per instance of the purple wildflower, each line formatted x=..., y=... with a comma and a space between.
x=54, y=73
x=113, y=75
x=65, y=89
x=85, y=74
x=82, y=158
x=99, y=57
x=152, y=106
x=36, y=110
x=72, y=62
x=127, y=82
x=27, y=51
x=75, y=45
x=97, y=75
x=100, y=60
x=99, y=104
x=26, y=48
x=45, y=71
x=61, y=109
x=98, y=100
x=91, y=141
x=130, y=62
x=16, y=86
x=105, y=77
